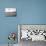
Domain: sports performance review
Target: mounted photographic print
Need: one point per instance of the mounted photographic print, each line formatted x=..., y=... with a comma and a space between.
x=10, y=11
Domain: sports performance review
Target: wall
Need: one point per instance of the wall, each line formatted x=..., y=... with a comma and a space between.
x=28, y=12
